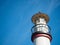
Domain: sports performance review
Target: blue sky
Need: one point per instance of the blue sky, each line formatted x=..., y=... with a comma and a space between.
x=15, y=20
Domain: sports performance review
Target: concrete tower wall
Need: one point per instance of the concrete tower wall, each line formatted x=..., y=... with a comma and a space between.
x=42, y=41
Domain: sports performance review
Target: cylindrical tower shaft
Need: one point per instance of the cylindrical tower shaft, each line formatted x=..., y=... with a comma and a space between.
x=41, y=41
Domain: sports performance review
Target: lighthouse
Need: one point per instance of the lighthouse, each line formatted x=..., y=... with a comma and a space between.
x=41, y=34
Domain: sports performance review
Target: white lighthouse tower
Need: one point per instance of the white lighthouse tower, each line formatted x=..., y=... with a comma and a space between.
x=41, y=31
